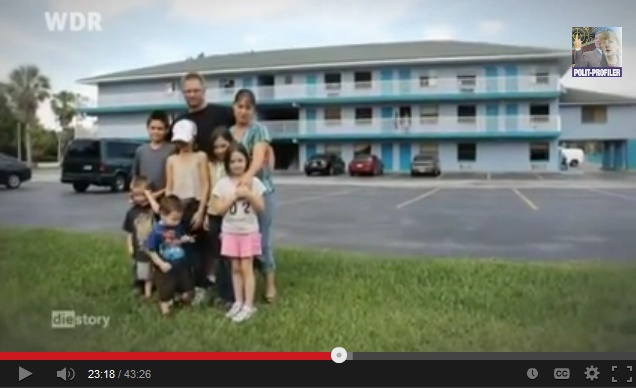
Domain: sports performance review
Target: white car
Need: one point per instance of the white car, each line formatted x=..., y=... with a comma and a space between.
x=572, y=156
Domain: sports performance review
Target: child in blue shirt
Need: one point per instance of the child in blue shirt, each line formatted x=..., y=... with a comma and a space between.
x=165, y=248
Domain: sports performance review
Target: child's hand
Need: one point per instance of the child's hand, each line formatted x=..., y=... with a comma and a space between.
x=131, y=251
x=242, y=191
x=165, y=267
x=186, y=239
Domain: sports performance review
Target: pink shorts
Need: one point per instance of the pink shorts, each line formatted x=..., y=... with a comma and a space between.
x=241, y=245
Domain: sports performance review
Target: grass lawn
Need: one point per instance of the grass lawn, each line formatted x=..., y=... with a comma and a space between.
x=326, y=299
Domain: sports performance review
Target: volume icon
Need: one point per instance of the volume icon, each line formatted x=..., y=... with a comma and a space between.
x=66, y=374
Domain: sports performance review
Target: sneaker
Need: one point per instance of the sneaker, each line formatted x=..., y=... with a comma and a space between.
x=235, y=309
x=199, y=296
x=245, y=314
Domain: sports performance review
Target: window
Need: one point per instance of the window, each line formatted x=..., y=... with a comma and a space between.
x=227, y=85
x=427, y=81
x=466, y=81
x=429, y=114
x=364, y=116
x=542, y=78
x=594, y=114
x=84, y=149
x=333, y=81
x=362, y=79
x=466, y=152
x=333, y=149
x=121, y=150
x=288, y=80
x=539, y=152
x=466, y=114
x=361, y=150
x=539, y=113
x=333, y=115
x=171, y=87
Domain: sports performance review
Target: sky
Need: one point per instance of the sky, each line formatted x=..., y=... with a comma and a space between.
x=139, y=33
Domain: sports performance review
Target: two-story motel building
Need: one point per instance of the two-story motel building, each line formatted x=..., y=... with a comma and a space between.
x=477, y=106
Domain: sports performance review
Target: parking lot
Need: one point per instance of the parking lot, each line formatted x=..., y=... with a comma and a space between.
x=507, y=222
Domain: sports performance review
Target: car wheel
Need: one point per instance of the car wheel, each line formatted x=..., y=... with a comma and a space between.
x=574, y=163
x=13, y=182
x=119, y=184
x=80, y=187
x=330, y=172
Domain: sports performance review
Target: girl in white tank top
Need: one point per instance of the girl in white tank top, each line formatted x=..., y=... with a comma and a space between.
x=187, y=174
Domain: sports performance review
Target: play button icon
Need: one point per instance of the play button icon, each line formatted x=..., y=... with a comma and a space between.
x=23, y=373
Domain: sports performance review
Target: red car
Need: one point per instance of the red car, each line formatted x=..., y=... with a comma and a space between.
x=366, y=165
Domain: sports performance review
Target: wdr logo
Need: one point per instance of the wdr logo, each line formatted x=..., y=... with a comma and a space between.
x=73, y=21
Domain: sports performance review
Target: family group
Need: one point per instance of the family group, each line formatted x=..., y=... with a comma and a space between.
x=202, y=202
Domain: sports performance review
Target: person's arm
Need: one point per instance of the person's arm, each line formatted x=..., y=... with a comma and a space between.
x=169, y=177
x=152, y=201
x=271, y=158
x=204, y=178
x=255, y=196
x=221, y=202
x=262, y=142
x=580, y=59
x=128, y=227
x=152, y=247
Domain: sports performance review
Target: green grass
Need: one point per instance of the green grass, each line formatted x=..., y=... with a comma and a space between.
x=326, y=299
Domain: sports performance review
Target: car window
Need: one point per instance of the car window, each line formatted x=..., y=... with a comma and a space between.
x=423, y=158
x=85, y=149
x=363, y=158
x=318, y=157
x=121, y=149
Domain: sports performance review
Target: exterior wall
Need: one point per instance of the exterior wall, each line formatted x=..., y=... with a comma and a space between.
x=131, y=125
x=491, y=156
x=396, y=82
x=621, y=124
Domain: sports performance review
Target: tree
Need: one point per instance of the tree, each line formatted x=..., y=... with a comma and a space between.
x=27, y=89
x=64, y=105
x=8, y=126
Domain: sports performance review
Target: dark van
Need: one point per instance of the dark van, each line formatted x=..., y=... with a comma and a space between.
x=99, y=162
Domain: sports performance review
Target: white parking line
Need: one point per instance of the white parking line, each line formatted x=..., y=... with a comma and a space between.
x=614, y=195
x=419, y=197
x=315, y=197
x=525, y=199
x=539, y=177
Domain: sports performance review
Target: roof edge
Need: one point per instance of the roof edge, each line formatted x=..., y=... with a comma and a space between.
x=489, y=58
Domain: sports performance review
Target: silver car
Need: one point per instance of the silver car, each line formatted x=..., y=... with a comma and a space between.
x=425, y=165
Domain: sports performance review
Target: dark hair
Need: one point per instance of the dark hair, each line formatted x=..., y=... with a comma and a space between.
x=169, y=204
x=158, y=115
x=220, y=132
x=236, y=147
x=245, y=93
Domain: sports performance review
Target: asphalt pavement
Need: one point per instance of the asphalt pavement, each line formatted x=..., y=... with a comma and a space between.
x=466, y=222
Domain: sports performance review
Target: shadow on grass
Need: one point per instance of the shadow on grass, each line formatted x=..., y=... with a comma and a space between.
x=327, y=299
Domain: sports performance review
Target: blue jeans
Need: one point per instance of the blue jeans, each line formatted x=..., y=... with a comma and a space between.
x=268, y=263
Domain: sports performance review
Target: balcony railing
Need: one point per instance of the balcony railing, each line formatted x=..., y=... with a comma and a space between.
x=375, y=89
x=431, y=125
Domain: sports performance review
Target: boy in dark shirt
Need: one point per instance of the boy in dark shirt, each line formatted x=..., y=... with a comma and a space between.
x=165, y=248
x=138, y=224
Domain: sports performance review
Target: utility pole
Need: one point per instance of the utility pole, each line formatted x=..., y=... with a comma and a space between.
x=19, y=141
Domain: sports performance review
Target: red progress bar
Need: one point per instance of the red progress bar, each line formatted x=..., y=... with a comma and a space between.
x=168, y=356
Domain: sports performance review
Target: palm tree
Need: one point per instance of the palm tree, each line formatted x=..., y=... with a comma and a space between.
x=64, y=106
x=27, y=89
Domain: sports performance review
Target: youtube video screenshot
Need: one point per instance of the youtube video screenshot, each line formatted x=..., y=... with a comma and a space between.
x=317, y=193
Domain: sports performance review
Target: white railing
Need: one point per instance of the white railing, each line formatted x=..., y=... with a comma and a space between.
x=435, y=125
x=299, y=92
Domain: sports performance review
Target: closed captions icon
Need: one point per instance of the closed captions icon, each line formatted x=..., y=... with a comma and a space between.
x=561, y=373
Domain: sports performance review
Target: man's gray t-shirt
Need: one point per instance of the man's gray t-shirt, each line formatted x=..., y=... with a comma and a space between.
x=151, y=163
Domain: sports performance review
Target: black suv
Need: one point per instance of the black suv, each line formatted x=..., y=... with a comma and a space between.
x=325, y=164
x=99, y=162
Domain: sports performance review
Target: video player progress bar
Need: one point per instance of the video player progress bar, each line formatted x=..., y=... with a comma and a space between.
x=370, y=356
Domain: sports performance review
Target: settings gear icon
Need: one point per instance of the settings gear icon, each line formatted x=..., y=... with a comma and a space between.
x=591, y=373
